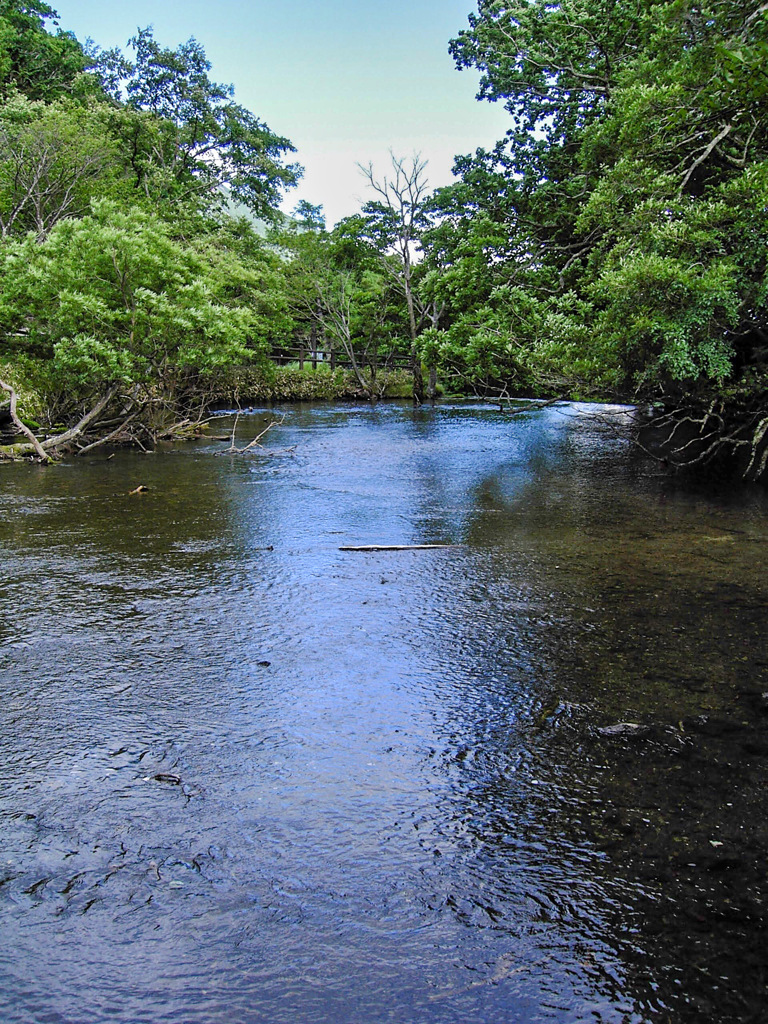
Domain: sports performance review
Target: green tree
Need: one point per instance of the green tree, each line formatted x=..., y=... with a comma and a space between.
x=340, y=299
x=188, y=138
x=125, y=280
x=33, y=61
x=54, y=158
x=680, y=204
x=110, y=308
x=615, y=235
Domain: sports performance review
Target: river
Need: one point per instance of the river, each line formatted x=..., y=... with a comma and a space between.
x=250, y=777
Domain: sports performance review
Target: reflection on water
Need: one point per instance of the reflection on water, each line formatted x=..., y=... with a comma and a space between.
x=250, y=777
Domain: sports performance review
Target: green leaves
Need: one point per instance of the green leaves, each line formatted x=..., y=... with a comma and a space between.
x=54, y=158
x=120, y=269
x=619, y=233
x=33, y=61
x=668, y=317
x=340, y=294
x=204, y=141
x=113, y=297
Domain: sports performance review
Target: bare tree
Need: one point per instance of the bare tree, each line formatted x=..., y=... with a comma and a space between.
x=398, y=218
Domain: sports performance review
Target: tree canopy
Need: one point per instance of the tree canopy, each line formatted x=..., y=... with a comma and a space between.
x=40, y=64
x=125, y=279
x=618, y=228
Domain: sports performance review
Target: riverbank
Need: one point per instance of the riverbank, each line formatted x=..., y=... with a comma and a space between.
x=146, y=415
x=717, y=438
x=255, y=385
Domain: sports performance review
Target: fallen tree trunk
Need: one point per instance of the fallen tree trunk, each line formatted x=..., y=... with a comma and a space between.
x=112, y=435
x=111, y=419
x=70, y=435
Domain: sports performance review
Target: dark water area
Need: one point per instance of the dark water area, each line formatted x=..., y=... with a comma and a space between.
x=249, y=777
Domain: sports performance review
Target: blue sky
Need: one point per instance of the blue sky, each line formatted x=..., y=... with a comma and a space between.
x=345, y=81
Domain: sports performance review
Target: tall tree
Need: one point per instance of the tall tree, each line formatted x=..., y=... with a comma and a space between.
x=199, y=141
x=54, y=158
x=623, y=246
x=339, y=295
x=397, y=220
x=123, y=279
x=111, y=312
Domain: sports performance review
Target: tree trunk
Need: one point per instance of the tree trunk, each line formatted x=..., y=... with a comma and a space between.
x=313, y=345
x=38, y=448
x=432, y=386
x=418, y=377
x=434, y=316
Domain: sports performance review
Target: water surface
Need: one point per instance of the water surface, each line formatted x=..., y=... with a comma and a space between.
x=249, y=777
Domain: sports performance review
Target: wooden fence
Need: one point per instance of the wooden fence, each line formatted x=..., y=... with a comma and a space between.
x=304, y=356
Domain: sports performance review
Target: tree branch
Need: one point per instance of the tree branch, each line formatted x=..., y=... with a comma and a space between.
x=706, y=153
x=42, y=454
x=69, y=435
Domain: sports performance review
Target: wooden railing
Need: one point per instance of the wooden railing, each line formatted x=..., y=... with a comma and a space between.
x=305, y=358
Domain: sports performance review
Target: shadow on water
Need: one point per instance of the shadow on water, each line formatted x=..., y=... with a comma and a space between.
x=250, y=777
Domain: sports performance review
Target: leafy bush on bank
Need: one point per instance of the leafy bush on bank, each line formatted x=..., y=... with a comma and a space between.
x=252, y=384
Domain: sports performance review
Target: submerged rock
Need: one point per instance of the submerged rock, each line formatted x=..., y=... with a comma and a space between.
x=173, y=780
x=624, y=730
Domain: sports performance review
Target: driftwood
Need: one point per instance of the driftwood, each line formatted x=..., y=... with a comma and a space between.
x=393, y=547
x=113, y=434
x=79, y=427
x=249, y=448
x=114, y=418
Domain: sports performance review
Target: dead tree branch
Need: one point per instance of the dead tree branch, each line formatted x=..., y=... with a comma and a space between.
x=234, y=450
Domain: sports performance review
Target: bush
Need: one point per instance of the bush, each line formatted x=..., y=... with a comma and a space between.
x=254, y=385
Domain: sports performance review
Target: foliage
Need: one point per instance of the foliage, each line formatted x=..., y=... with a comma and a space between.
x=124, y=280
x=252, y=385
x=189, y=137
x=341, y=297
x=111, y=297
x=33, y=61
x=54, y=158
x=615, y=240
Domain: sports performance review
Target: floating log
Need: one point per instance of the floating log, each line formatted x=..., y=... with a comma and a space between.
x=393, y=547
